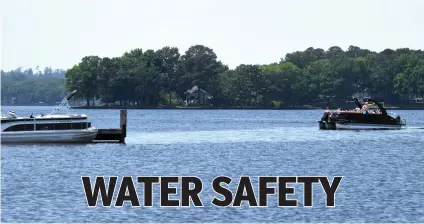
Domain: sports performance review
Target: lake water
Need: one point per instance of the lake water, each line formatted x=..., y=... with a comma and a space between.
x=383, y=170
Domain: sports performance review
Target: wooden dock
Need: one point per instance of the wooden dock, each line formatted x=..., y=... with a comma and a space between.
x=113, y=135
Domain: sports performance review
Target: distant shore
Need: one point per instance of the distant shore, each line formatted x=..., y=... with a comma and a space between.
x=174, y=107
x=193, y=108
x=234, y=108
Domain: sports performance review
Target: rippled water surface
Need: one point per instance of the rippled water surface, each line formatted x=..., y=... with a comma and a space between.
x=383, y=170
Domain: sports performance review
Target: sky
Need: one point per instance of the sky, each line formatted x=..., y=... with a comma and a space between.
x=58, y=33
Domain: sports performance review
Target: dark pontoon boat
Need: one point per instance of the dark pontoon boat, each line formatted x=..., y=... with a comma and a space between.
x=361, y=118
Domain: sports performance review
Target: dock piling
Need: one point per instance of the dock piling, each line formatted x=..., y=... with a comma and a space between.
x=123, y=125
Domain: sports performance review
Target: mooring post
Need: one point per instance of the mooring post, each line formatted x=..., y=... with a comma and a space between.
x=123, y=125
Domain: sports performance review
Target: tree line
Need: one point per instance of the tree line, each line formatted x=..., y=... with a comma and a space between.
x=24, y=87
x=147, y=78
x=313, y=76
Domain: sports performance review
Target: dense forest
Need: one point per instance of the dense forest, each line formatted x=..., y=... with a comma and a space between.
x=26, y=87
x=313, y=77
x=148, y=78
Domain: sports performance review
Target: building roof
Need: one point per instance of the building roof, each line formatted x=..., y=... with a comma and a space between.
x=196, y=89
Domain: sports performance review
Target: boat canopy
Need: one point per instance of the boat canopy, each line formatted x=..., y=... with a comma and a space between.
x=70, y=95
x=357, y=103
x=64, y=104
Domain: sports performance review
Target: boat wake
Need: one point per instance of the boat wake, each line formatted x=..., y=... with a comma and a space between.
x=221, y=136
x=283, y=134
x=413, y=128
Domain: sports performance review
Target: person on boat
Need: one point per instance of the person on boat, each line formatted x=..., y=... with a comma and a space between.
x=365, y=108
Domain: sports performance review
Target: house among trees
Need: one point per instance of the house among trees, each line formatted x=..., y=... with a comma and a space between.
x=197, y=96
x=362, y=95
x=416, y=98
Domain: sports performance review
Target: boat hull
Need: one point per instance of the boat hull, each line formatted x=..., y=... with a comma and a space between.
x=359, y=126
x=50, y=136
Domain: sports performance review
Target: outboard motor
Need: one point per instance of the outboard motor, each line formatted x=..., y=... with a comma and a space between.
x=398, y=119
x=325, y=116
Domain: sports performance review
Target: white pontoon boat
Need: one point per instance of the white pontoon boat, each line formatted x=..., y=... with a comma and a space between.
x=51, y=128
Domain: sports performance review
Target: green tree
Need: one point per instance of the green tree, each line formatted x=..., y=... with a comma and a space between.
x=200, y=67
x=169, y=67
x=90, y=69
x=282, y=79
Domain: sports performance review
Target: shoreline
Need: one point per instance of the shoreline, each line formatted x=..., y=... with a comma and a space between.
x=221, y=108
x=228, y=108
x=194, y=108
